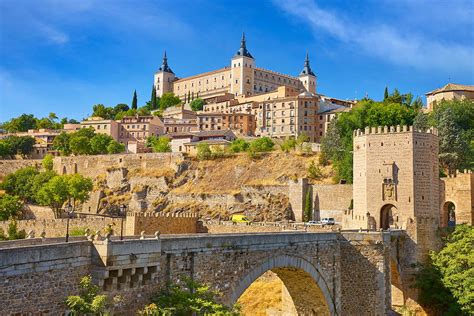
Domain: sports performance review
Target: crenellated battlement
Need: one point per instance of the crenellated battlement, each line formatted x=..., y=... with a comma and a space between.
x=163, y=215
x=460, y=173
x=393, y=130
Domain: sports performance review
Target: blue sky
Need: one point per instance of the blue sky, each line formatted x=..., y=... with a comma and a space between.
x=63, y=56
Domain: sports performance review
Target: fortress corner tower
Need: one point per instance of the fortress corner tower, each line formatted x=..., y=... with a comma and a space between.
x=242, y=73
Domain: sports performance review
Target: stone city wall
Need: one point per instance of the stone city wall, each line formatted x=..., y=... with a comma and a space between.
x=57, y=227
x=36, y=280
x=91, y=166
x=228, y=227
x=459, y=190
x=186, y=223
x=331, y=200
x=12, y=165
x=134, y=224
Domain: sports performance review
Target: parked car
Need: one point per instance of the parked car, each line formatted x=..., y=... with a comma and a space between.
x=328, y=221
x=240, y=219
x=313, y=222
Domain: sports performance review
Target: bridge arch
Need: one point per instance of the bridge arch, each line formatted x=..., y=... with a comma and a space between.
x=389, y=216
x=287, y=264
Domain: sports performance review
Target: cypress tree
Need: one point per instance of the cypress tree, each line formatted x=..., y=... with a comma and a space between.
x=385, y=94
x=189, y=96
x=134, y=100
x=153, y=104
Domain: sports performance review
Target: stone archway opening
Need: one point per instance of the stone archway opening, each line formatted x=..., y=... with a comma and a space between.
x=284, y=286
x=449, y=214
x=284, y=291
x=388, y=216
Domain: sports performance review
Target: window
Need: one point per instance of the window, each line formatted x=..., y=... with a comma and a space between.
x=236, y=80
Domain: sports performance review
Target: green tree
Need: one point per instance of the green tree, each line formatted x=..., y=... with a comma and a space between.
x=47, y=162
x=308, y=206
x=452, y=144
x=80, y=145
x=203, y=151
x=20, y=124
x=288, y=144
x=190, y=298
x=78, y=188
x=421, y=121
x=115, y=147
x=20, y=183
x=239, y=145
x=120, y=108
x=161, y=144
x=314, y=171
x=385, y=94
x=301, y=139
x=153, y=99
x=5, y=149
x=54, y=193
x=38, y=181
x=197, y=104
x=102, y=111
x=262, y=144
x=168, y=99
x=89, y=301
x=98, y=143
x=21, y=145
x=10, y=206
x=61, y=143
x=135, y=100
x=12, y=232
x=455, y=262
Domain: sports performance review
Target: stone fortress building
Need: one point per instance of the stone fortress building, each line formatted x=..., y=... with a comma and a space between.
x=240, y=78
x=281, y=105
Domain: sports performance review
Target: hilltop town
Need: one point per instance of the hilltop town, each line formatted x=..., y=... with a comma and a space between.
x=234, y=178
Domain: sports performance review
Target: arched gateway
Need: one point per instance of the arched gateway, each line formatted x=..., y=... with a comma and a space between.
x=305, y=284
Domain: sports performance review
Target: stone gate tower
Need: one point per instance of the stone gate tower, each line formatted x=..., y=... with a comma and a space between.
x=396, y=182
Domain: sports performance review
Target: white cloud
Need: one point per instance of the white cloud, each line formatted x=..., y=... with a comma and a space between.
x=52, y=34
x=386, y=42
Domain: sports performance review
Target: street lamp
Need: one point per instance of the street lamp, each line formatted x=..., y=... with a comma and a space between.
x=123, y=213
x=69, y=211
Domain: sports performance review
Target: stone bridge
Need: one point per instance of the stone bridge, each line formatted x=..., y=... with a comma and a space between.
x=345, y=273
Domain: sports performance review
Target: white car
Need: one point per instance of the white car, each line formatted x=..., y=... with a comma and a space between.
x=328, y=221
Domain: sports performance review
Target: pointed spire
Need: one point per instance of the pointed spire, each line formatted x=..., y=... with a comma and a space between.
x=307, y=68
x=243, y=48
x=164, y=66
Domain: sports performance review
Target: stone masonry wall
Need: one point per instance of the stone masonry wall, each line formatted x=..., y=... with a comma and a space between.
x=12, y=165
x=365, y=272
x=36, y=280
x=57, y=227
x=331, y=200
x=458, y=189
x=91, y=166
x=164, y=223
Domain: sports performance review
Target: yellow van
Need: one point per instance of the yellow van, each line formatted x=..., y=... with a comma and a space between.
x=240, y=219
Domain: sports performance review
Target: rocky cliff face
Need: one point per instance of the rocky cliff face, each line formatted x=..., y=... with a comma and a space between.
x=214, y=189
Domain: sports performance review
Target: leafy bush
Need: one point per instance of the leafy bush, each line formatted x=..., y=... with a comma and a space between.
x=239, y=145
x=288, y=144
x=88, y=302
x=78, y=231
x=159, y=144
x=12, y=232
x=262, y=144
x=47, y=162
x=203, y=151
x=10, y=205
x=314, y=171
x=190, y=298
x=446, y=283
x=197, y=104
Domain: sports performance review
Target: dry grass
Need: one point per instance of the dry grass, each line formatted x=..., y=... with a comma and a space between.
x=229, y=174
x=151, y=172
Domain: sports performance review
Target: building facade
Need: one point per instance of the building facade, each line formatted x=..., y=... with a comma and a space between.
x=449, y=92
x=240, y=78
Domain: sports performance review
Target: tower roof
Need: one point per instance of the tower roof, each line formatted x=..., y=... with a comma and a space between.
x=243, y=49
x=307, y=68
x=164, y=66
